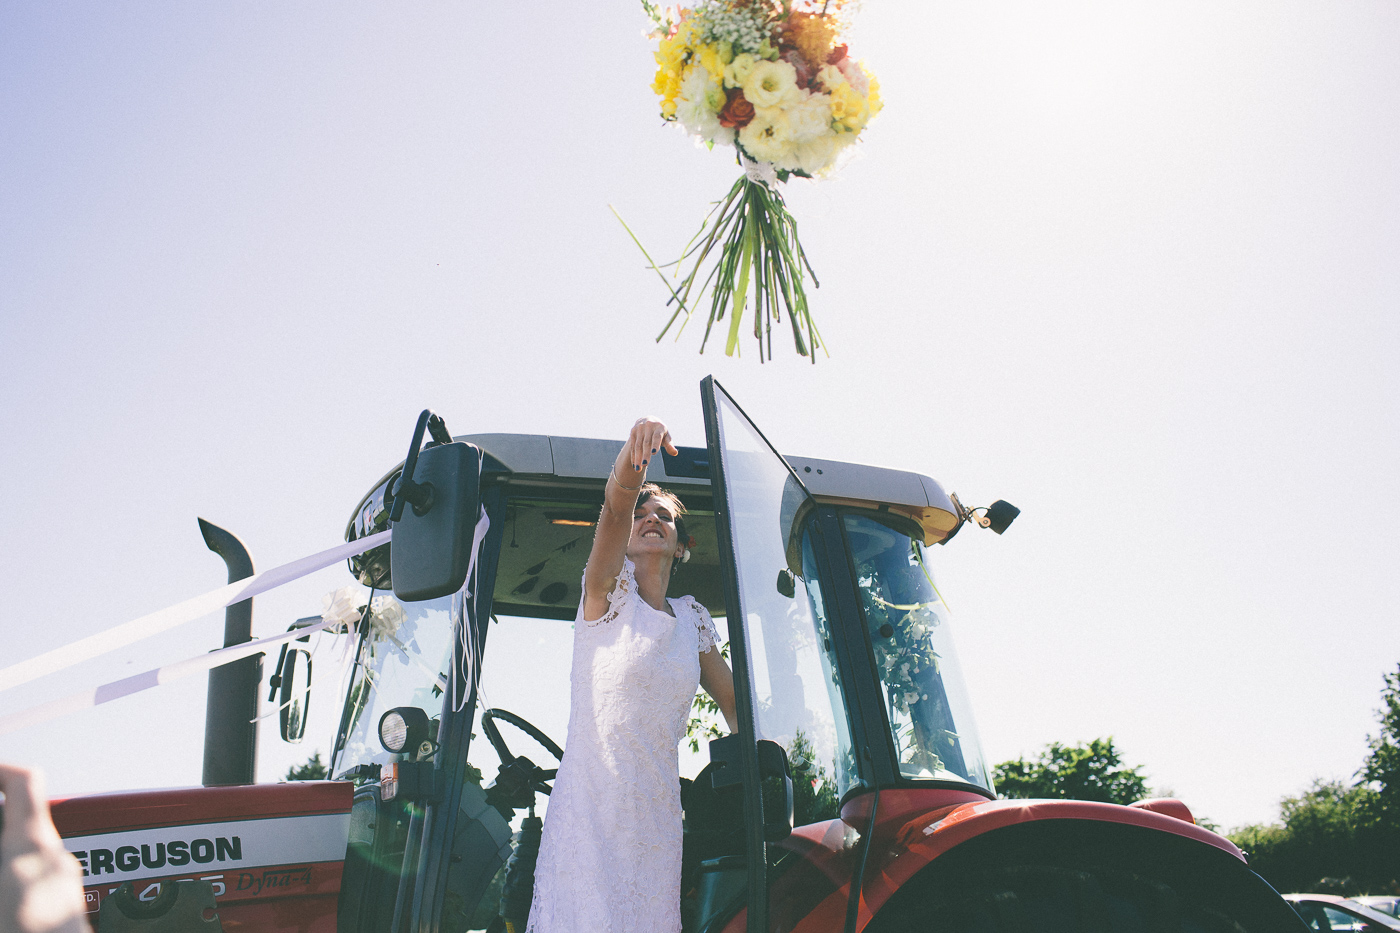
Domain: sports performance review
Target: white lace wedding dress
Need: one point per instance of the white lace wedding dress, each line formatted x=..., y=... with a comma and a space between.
x=610, y=861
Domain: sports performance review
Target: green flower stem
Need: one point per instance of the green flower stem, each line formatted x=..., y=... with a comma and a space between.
x=746, y=261
x=747, y=248
x=653, y=265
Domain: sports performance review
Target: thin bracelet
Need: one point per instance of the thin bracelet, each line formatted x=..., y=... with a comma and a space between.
x=613, y=474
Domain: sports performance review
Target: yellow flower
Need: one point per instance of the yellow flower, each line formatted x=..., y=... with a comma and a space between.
x=830, y=77
x=671, y=53
x=813, y=34
x=713, y=58
x=849, y=110
x=668, y=109
x=667, y=83
x=876, y=104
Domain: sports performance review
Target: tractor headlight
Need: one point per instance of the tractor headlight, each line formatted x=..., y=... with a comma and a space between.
x=403, y=729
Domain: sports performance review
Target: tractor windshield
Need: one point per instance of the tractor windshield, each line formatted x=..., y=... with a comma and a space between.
x=930, y=718
x=404, y=659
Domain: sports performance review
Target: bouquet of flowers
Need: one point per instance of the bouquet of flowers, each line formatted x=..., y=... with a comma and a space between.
x=773, y=79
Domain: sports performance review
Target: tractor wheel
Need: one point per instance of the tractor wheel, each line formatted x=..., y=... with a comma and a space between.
x=1085, y=877
x=1042, y=898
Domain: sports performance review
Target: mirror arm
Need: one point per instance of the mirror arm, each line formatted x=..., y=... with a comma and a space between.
x=437, y=429
x=275, y=680
x=433, y=546
x=406, y=490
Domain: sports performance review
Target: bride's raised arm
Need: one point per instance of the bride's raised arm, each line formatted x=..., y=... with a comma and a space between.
x=646, y=440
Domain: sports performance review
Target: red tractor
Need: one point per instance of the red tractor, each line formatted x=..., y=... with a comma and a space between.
x=855, y=795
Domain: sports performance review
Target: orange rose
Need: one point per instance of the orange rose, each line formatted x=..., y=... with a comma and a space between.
x=737, y=112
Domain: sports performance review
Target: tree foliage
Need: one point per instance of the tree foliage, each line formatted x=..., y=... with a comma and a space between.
x=313, y=769
x=1336, y=837
x=1381, y=772
x=705, y=722
x=1320, y=845
x=813, y=791
x=1077, y=772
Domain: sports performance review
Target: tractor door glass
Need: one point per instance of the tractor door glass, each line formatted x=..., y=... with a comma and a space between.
x=796, y=697
x=929, y=716
x=404, y=660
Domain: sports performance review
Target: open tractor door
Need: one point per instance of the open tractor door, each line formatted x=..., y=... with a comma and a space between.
x=854, y=796
x=847, y=676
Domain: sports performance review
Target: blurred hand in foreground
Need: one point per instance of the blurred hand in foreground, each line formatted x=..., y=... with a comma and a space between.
x=41, y=885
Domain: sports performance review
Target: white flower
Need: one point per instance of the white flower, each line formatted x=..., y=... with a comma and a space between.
x=772, y=84
x=810, y=117
x=768, y=137
x=743, y=26
x=816, y=156
x=385, y=616
x=345, y=606
x=699, y=103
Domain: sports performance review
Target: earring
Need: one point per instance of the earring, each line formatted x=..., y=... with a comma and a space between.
x=685, y=556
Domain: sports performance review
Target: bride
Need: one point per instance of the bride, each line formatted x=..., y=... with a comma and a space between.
x=610, y=859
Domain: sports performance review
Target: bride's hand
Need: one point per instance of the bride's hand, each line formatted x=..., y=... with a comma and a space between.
x=648, y=437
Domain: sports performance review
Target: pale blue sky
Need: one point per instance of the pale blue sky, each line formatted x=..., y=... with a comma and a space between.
x=1129, y=265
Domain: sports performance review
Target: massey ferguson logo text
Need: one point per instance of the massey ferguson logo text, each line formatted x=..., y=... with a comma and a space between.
x=175, y=853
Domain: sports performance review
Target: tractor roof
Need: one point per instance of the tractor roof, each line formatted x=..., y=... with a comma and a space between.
x=581, y=458
x=555, y=485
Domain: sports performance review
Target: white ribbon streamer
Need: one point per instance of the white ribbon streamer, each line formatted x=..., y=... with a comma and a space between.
x=156, y=622
x=464, y=634
x=483, y=525
x=83, y=699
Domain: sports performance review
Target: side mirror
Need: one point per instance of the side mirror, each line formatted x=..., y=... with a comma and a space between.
x=436, y=502
x=777, y=791
x=295, y=697
x=774, y=774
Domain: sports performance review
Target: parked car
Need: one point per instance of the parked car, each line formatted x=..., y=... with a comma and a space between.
x=1327, y=912
x=1386, y=904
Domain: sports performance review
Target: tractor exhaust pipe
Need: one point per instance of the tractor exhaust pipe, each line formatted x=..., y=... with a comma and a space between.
x=230, y=735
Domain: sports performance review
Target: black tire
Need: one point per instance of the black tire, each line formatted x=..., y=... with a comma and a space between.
x=1073, y=876
x=1048, y=899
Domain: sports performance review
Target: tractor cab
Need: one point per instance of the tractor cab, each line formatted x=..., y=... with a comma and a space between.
x=796, y=548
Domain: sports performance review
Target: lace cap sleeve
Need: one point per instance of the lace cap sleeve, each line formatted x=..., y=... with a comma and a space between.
x=622, y=590
x=709, y=637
